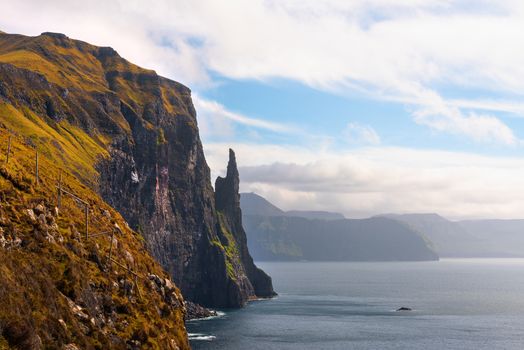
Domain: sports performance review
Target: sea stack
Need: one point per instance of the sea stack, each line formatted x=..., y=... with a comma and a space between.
x=227, y=203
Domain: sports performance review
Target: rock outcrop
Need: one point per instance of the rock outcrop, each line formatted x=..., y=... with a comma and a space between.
x=195, y=311
x=227, y=201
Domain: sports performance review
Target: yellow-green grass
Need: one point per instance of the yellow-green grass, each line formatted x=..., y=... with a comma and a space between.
x=36, y=277
x=69, y=146
x=230, y=248
x=65, y=74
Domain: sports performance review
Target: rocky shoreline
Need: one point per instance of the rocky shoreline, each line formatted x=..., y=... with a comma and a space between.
x=195, y=311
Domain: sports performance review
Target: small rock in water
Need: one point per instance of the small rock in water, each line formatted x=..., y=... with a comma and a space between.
x=403, y=308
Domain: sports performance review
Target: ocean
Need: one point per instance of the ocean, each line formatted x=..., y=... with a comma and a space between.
x=457, y=304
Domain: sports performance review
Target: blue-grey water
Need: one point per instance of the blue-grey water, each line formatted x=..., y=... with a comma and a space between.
x=458, y=304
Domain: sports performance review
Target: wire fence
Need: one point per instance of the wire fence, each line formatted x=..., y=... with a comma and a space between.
x=90, y=221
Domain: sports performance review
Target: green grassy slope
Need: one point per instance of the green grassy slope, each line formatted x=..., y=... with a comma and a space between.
x=55, y=288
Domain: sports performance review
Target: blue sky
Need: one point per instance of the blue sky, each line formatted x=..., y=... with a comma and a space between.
x=361, y=107
x=327, y=114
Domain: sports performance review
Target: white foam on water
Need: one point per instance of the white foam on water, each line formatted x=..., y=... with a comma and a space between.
x=218, y=315
x=201, y=336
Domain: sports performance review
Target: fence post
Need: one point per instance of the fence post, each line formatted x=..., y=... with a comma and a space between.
x=87, y=220
x=111, y=249
x=59, y=195
x=138, y=287
x=8, y=150
x=125, y=281
x=36, y=169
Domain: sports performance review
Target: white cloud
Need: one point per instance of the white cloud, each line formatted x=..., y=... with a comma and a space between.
x=516, y=108
x=436, y=113
x=396, y=49
x=357, y=133
x=215, y=119
x=375, y=180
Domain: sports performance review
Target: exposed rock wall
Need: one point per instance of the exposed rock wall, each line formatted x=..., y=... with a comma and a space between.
x=227, y=199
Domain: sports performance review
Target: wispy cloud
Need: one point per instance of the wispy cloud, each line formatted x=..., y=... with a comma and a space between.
x=356, y=133
x=433, y=111
x=516, y=108
x=212, y=111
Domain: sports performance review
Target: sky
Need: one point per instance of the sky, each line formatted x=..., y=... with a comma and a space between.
x=360, y=107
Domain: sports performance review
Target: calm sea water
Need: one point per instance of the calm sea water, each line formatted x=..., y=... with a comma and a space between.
x=458, y=304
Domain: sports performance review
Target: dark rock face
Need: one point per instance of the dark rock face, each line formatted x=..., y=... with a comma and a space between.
x=159, y=180
x=227, y=200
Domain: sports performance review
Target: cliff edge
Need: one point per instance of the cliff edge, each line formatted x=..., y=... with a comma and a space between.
x=132, y=136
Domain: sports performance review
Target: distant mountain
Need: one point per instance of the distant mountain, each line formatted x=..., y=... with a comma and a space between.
x=253, y=204
x=276, y=235
x=504, y=238
x=449, y=238
x=320, y=215
x=471, y=238
x=270, y=238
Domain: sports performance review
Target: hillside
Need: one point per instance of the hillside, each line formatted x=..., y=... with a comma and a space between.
x=469, y=238
x=253, y=204
x=291, y=238
x=131, y=136
x=450, y=239
x=60, y=288
x=315, y=214
x=500, y=238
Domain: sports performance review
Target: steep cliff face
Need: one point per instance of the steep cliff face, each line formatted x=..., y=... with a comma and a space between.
x=227, y=198
x=132, y=136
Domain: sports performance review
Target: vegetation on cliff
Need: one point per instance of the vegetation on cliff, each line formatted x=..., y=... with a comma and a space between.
x=239, y=261
x=60, y=288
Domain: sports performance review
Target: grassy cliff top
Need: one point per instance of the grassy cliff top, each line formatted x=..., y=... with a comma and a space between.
x=74, y=99
x=76, y=64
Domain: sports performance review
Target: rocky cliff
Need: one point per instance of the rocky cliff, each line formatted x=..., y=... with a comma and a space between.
x=132, y=136
x=227, y=198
